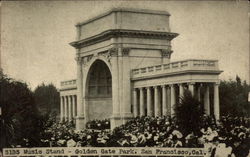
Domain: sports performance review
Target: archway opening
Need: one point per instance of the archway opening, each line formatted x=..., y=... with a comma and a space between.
x=99, y=91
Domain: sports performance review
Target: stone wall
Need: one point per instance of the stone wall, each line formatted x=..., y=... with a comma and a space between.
x=99, y=108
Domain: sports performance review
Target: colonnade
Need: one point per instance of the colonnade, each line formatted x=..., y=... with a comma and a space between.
x=159, y=100
x=68, y=108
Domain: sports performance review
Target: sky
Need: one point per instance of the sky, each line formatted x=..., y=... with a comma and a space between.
x=35, y=35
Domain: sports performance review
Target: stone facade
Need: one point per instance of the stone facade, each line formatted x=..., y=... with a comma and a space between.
x=124, y=70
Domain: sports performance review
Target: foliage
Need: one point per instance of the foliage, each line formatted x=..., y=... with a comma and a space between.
x=188, y=113
x=234, y=98
x=153, y=132
x=47, y=98
x=20, y=121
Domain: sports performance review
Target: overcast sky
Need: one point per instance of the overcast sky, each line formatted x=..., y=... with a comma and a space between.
x=35, y=35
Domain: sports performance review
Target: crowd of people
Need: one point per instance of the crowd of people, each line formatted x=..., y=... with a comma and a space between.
x=232, y=135
x=98, y=124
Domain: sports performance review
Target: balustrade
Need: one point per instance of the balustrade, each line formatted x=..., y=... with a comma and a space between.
x=69, y=84
x=191, y=64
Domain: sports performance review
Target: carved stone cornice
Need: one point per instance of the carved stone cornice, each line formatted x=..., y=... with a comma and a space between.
x=106, y=35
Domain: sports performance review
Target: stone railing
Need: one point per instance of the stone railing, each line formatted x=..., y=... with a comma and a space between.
x=68, y=84
x=172, y=67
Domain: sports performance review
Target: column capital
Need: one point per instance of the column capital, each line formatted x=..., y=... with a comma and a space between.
x=147, y=87
x=155, y=87
x=180, y=84
x=141, y=88
x=171, y=85
x=163, y=86
x=168, y=86
x=198, y=84
x=191, y=83
x=216, y=83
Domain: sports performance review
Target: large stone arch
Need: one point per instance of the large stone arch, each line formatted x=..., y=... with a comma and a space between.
x=98, y=89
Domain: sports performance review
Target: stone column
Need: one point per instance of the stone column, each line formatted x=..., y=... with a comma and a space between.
x=216, y=101
x=149, y=102
x=173, y=99
x=168, y=101
x=206, y=100
x=156, y=102
x=70, y=107
x=142, y=105
x=73, y=106
x=135, y=103
x=181, y=93
x=115, y=119
x=66, y=108
x=191, y=87
x=199, y=92
x=126, y=88
x=62, y=109
x=80, y=112
x=164, y=100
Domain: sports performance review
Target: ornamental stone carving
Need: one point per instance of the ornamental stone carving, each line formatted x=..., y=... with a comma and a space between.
x=166, y=53
x=86, y=59
x=125, y=51
x=106, y=54
x=79, y=60
x=113, y=51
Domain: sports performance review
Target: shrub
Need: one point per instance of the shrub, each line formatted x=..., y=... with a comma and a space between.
x=188, y=113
